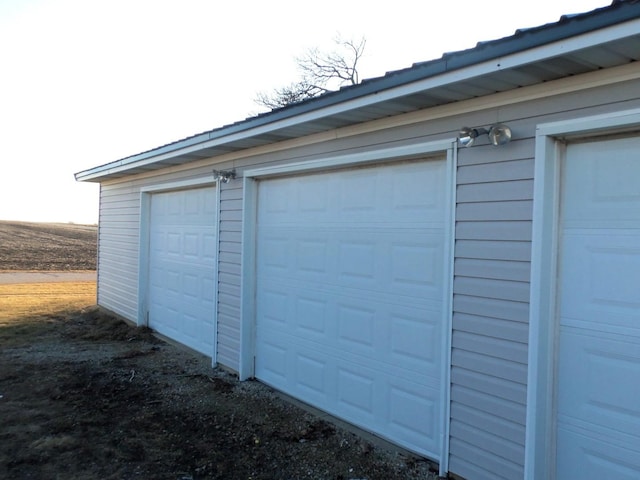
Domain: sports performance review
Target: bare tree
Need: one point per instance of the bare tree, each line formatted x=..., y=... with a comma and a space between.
x=320, y=72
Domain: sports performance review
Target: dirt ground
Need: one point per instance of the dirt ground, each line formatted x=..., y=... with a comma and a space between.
x=47, y=246
x=83, y=395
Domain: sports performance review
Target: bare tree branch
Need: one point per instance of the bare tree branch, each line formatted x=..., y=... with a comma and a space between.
x=320, y=73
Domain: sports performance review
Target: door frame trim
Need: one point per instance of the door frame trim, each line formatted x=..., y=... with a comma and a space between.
x=146, y=194
x=550, y=147
x=446, y=147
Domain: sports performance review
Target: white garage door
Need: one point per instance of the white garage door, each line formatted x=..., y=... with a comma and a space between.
x=350, y=296
x=598, y=389
x=182, y=256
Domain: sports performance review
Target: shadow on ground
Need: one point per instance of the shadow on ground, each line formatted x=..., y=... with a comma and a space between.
x=85, y=395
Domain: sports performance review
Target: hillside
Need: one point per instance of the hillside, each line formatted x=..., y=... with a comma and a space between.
x=47, y=246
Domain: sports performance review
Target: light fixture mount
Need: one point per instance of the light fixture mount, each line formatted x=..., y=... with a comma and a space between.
x=499, y=134
x=224, y=176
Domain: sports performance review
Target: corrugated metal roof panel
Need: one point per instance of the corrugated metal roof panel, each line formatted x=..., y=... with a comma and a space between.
x=367, y=101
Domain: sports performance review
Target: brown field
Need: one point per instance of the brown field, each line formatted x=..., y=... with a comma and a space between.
x=83, y=395
x=47, y=246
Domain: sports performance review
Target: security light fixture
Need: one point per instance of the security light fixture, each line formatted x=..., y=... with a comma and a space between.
x=467, y=136
x=499, y=134
x=224, y=176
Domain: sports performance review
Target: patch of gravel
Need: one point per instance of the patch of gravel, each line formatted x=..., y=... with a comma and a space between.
x=88, y=396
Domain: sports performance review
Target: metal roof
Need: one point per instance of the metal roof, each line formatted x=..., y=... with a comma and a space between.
x=530, y=56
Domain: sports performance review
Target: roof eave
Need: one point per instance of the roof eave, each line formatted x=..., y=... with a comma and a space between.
x=525, y=47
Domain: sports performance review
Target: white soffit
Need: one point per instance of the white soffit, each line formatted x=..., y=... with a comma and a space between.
x=572, y=49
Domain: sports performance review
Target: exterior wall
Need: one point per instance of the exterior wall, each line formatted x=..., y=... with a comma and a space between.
x=491, y=284
x=492, y=261
x=119, y=240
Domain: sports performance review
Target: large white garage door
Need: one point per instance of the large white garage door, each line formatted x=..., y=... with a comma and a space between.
x=182, y=256
x=598, y=383
x=350, y=295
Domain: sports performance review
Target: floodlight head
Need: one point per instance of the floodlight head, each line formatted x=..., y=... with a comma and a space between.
x=499, y=134
x=467, y=136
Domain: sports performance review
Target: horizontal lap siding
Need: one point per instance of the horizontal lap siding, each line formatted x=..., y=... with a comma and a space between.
x=491, y=283
x=229, y=275
x=491, y=294
x=118, y=249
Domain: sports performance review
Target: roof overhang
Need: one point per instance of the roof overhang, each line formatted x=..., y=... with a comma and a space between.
x=605, y=38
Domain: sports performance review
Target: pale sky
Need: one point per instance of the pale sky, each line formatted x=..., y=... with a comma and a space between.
x=83, y=83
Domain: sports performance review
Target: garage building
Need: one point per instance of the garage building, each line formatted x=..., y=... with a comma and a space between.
x=479, y=306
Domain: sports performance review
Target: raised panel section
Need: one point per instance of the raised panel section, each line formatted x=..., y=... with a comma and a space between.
x=350, y=294
x=597, y=387
x=182, y=257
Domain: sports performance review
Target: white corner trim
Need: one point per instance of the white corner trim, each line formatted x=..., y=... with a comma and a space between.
x=246, y=369
x=216, y=280
x=143, y=259
x=593, y=124
x=370, y=156
x=179, y=185
x=452, y=167
x=549, y=153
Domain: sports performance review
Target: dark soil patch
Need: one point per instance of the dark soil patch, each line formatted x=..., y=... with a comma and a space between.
x=88, y=397
x=47, y=246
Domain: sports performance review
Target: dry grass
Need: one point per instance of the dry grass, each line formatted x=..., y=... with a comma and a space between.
x=20, y=303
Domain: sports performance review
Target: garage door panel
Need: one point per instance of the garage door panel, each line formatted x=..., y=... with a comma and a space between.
x=273, y=361
x=312, y=373
x=597, y=193
x=598, y=458
x=598, y=369
x=369, y=394
x=588, y=393
x=415, y=339
x=390, y=331
x=601, y=278
x=182, y=253
x=414, y=192
x=281, y=287
x=415, y=413
x=278, y=343
x=349, y=295
x=407, y=263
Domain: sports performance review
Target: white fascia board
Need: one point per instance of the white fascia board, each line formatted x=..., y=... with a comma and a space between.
x=557, y=48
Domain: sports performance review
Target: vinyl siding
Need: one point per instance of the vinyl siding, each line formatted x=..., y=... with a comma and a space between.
x=118, y=242
x=491, y=286
x=229, y=274
x=491, y=294
x=491, y=272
